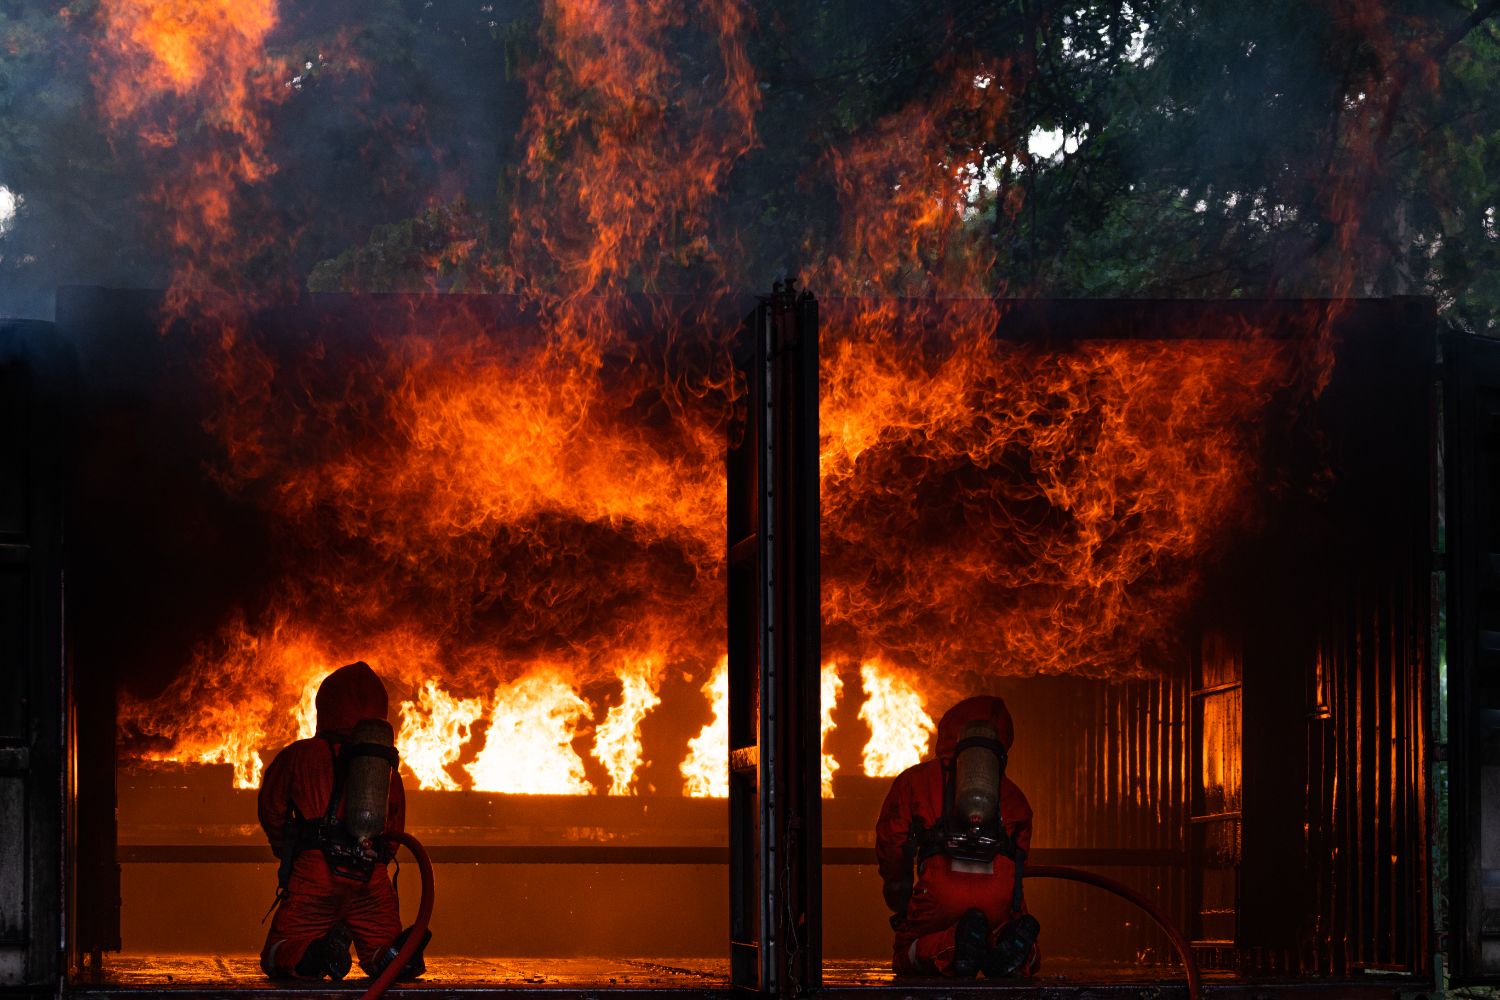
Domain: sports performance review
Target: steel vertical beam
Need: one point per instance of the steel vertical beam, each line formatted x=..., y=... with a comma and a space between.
x=774, y=655
x=1471, y=390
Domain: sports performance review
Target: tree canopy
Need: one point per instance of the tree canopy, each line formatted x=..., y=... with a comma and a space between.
x=1144, y=148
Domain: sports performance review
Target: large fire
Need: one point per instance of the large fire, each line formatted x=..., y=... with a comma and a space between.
x=617, y=741
x=193, y=79
x=900, y=727
x=528, y=746
x=433, y=732
x=518, y=520
x=705, y=772
x=830, y=686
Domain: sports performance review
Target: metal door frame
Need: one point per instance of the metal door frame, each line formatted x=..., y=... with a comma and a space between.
x=1471, y=400
x=775, y=803
x=33, y=775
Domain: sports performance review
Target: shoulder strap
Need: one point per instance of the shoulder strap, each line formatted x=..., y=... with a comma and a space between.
x=950, y=792
x=340, y=771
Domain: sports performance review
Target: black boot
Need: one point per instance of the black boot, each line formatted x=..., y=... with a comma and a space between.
x=327, y=956
x=969, y=940
x=1012, y=948
x=414, y=966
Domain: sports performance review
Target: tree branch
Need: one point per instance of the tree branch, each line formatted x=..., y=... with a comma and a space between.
x=1454, y=35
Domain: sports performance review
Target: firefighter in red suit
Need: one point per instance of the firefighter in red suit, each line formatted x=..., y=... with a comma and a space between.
x=954, y=886
x=325, y=903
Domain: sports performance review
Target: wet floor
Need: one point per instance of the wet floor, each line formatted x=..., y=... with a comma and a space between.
x=233, y=972
x=228, y=972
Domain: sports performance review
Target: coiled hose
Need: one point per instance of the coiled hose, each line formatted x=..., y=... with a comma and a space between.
x=1179, y=942
x=418, y=929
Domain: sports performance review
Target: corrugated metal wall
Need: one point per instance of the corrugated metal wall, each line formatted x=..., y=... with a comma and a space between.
x=1337, y=621
x=1365, y=810
x=1105, y=766
x=1144, y=780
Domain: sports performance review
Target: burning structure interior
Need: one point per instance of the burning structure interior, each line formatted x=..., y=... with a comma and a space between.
x=1192, y=544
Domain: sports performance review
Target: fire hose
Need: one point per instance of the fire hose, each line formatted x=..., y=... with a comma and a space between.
x=1194, y=984
x=418, y=928
x=424, y=916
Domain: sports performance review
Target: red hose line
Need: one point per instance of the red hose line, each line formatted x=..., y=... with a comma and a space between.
x=418, y=929
x=1179, y=942
x=424, y=915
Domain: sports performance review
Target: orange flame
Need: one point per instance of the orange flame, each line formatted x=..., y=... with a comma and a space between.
x=191, y=81
x=617, y=740
x=528, y=746
x=238, y=746
x=306, y=712
x=1064, y=500
x=211, y=715
x=204, y=50
x=639, y=110
x=434, y=730
x=541, y=492
x=1061, y=499
x=900, y=728
x=495, y=438
x=905, y=187
x=831, y=685
x=706, y=769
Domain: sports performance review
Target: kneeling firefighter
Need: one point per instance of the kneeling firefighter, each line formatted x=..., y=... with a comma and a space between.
x=951, y=842
x=332, y=806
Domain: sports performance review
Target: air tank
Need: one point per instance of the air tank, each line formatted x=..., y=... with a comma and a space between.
x=367, y=786
x=977, y=788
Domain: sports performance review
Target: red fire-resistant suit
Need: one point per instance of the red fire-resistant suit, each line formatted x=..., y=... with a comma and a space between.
x=940, y=895
x=297, y=785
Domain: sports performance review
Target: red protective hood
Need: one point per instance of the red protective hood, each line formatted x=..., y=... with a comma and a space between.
x=982, y=707
x=348, y=696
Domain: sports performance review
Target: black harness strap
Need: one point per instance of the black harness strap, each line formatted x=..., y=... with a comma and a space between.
x=1018, y=896
x=956, y=840
x=328, y=834
x=300, y=835
x=951, y=837
x=340, y=772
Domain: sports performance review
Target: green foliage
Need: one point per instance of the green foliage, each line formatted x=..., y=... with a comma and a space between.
x=1215, y=164
x=1216, y=146
x=78, y=219
x=440, y=250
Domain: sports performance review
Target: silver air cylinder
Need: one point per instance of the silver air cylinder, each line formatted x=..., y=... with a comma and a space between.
x=977, y=788
x=367, y=786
